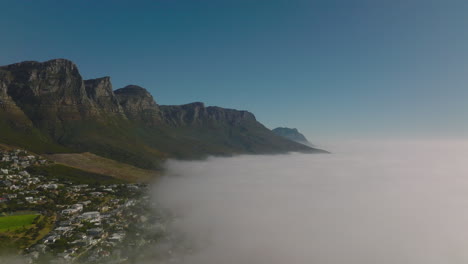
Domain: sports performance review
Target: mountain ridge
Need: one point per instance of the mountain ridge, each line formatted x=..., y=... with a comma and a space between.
x=58, y=111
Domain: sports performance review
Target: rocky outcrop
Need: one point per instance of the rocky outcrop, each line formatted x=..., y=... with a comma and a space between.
x=291, y=134
x=197, y=114
x=48, y=93
x=52, y=84
x=6, y=102
x=138, y=104
x=100, y=92
x=9, y=111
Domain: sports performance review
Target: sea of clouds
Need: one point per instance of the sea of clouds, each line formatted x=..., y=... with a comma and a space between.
x=366, y=203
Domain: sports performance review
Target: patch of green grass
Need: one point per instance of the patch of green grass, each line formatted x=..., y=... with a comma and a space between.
x=13, y=222
x=23, y=230
x=65, y=173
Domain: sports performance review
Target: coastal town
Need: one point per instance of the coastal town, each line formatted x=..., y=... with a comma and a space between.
x=62, y=220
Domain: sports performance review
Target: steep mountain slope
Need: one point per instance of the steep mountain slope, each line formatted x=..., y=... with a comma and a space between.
x=48, y=107
x=223, y=131
x=15, y=126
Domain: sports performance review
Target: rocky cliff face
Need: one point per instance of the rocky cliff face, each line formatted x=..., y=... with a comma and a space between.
x=54, y=91
x=138, y=104
x=9, y=111
x=100, y=92
x=52, y=84
x=197, y=114
x=6, y=102
x=48, y=93
x=50, y=103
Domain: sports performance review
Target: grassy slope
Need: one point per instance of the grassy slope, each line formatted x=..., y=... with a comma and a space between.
x=65, y=173
x=21, y=135
x=95, y=164
x=188, y=142
x=114, y=139
x=147, y=147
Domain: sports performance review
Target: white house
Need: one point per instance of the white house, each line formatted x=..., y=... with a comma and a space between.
x=91, y=216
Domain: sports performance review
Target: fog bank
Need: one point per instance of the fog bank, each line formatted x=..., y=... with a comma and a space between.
x=396, y=202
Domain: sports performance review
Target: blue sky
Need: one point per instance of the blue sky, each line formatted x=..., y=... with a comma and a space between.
x=333, y=69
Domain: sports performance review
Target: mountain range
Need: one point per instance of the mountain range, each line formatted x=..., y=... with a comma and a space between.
x=47, y=107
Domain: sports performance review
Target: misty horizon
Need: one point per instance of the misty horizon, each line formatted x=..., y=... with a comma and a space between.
x=387, y=203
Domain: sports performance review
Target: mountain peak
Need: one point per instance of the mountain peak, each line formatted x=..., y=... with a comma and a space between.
x=100, y=91
x=291, y=134
x=138, y=104
x=50, y=64
x=134, y=93
x=132, y=90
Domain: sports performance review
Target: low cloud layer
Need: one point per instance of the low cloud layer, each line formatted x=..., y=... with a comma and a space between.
x=365, y=204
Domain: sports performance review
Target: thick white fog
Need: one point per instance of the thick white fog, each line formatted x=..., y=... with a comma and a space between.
x=367, y=203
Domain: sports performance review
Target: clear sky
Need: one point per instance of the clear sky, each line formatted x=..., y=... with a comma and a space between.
x=333, y=69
